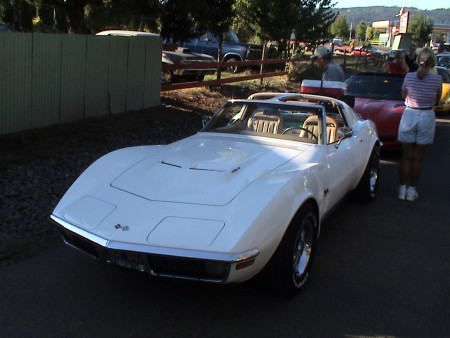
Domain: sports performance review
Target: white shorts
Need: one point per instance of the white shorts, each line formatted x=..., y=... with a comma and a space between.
x=417, y=126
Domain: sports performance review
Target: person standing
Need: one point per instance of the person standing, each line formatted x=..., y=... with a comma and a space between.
x=421, y=90
x=332, y=71
x=397, y=66
x=411, y=57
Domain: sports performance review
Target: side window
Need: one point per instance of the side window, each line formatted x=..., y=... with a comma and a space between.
x=207, y=37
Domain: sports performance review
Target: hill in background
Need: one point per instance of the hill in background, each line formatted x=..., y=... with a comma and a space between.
x=380, y=13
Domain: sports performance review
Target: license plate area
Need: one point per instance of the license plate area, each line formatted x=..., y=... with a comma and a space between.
x=127, y=259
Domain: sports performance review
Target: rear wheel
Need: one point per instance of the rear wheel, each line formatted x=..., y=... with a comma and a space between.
x=289, y=268
x=368, y=185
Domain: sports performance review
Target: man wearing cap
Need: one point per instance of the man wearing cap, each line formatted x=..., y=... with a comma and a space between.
x=332, y=71
x=411, y=57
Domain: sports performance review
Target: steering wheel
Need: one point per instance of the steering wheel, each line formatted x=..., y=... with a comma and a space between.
x=296, y=131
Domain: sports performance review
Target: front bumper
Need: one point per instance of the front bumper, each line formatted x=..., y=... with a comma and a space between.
x=158, y=262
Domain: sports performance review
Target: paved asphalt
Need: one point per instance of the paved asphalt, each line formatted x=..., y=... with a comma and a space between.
x=381, y=270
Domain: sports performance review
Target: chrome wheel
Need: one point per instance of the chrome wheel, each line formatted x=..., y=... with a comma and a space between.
x=367, y=186
x=303, y=252
x=289, y=267
x=374, y=173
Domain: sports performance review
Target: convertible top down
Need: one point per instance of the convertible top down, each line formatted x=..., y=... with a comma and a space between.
x=244, y=196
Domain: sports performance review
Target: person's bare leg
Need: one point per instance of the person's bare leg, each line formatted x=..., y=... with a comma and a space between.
x=406, y=163
x=417, y=160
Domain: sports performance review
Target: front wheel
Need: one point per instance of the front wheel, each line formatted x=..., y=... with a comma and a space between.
x=166, y=77
x=289, y=268
x=232, y=69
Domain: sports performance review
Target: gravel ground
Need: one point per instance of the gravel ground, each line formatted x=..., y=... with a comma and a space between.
x=38, y=166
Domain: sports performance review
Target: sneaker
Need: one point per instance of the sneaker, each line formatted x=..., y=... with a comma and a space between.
x=411, y=194
x=402, y=192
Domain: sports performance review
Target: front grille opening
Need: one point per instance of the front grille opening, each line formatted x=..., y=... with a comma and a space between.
x=190, y=268
x=80, y=243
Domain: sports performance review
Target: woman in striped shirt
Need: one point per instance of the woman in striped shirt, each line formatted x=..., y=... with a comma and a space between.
x=421, y=90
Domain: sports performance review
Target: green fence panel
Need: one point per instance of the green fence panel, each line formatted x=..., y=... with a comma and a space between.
x=73, y=78
x=46, y=74
x=136, y=73
x=117, y=75
x=97, y=69
x=15, y=82
x=46, y=79
x=152, y=81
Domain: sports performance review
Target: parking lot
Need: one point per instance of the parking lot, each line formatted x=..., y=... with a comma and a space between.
x=381, y=270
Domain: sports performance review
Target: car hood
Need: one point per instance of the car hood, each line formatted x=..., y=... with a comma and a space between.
x=180, y=55
x=375, y=109
x=203, y=170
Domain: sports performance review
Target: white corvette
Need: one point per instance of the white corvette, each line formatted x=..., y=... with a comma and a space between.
x=244, y=196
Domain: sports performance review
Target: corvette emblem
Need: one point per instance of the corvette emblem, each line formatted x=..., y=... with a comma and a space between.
x=120, y=226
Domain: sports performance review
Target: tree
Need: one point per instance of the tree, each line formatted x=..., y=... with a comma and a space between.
x=314, y=20
x=340, y=27
x=361, y=30
x=122, y=14
x=177, y=21
x=276, y=20
x=17, y=15
x=271, y=20
x=370, y=32
x=420, y=27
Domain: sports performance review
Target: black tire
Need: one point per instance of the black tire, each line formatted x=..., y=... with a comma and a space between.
x=289, y=268
x=166, y=77
x=232, y=69
x=367, y=187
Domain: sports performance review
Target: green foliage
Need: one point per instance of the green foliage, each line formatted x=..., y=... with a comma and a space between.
x=370, y=13
x=122, y=14
x=361, y=30
x=314, y=20
x=340, y=27
x=420, y=27
x=370, y=32
x=176, y=21
x=215, y=17
x=276, y=20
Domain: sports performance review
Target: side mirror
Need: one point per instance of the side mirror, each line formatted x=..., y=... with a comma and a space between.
x=344, y=132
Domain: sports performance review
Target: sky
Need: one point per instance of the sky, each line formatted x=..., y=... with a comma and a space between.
x=420, y=4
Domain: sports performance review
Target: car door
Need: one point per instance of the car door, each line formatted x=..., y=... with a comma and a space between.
x=208, y=44
x=343, y=166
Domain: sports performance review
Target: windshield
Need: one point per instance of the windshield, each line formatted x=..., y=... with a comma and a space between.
x=282, y=121
x=375, y=86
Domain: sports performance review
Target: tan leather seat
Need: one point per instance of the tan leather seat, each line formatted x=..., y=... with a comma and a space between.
x=311, y=124
x=262, y=122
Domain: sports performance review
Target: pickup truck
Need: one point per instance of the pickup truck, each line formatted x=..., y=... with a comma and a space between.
x=232, y=48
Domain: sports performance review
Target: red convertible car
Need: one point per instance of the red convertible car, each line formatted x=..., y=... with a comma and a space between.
x=362, y=51
x=378, y=97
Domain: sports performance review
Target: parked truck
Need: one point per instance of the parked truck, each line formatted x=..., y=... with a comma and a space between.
x=232, y=48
